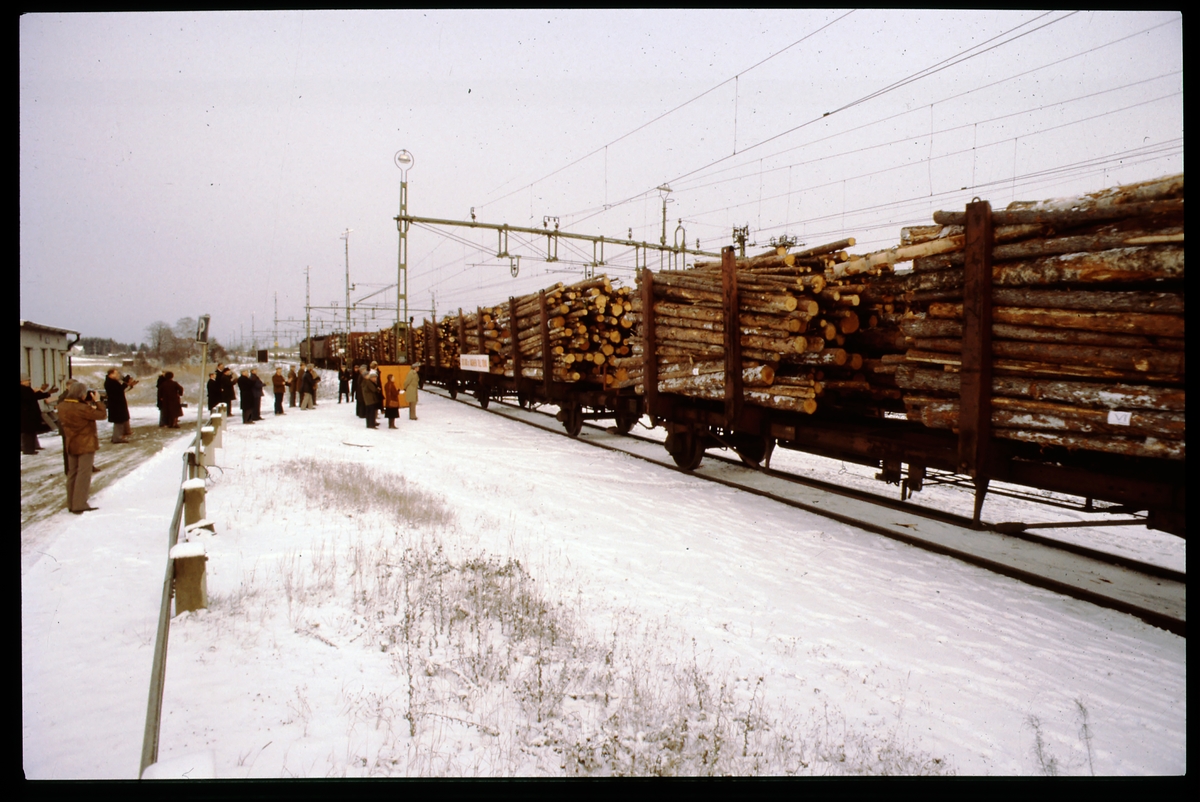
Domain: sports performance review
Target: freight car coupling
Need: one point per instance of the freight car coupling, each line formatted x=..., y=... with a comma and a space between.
x=1039, y=346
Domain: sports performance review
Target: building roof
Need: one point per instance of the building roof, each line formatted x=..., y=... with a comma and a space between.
x=29, y=324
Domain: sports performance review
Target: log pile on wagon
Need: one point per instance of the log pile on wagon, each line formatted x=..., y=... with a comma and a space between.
x=587, y=326
x=1087, y=308
x=1087, y=338
x=370, y=346
x=796, y=323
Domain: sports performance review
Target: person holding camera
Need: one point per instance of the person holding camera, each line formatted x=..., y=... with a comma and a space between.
x=32, y=422
x=77, y=415
x=170, y=400
x=115, y=386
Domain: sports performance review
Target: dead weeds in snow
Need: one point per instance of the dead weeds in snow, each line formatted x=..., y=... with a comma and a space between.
x=495, y=676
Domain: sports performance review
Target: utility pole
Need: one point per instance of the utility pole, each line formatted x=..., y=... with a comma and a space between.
x=404, y=160
x=307, y=319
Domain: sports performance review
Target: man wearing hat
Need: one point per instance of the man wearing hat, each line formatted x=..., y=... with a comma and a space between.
x=411, y=383
x=32, y=423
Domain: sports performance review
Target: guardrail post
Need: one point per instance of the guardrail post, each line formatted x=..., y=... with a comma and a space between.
x=217, y=421
x=193, y=501
x=191, y=584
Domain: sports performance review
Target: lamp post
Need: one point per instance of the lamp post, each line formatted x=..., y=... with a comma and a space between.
x=404, y=160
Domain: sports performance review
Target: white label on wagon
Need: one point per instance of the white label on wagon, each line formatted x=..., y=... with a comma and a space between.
x=477, y=362
x=1119, y=418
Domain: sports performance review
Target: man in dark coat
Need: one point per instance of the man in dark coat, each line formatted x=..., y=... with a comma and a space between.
x=372, y=398
x=213, y=388
x=306, y=388
x=32, y=422
x=256, y=385
x=118, y=406
x=228, y=394
x=170, y=400
x=356, y=391
x=162, y=414
x=245, y=386
x=344, y=384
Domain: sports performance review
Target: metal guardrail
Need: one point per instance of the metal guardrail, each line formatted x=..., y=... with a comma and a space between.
x=158, y=669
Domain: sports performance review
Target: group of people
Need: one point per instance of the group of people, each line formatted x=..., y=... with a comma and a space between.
x=77, y=412
x=79, y=409
x=372, y=396
x=224, y=389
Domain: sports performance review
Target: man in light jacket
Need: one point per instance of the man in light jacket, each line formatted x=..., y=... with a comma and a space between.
x=77, y=415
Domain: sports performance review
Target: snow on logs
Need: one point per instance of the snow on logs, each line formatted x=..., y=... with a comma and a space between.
x=1087, y=322
x=587, y=328
x=793, y=322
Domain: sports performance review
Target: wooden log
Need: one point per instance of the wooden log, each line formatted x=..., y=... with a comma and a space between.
x=1037, y=368
x=1069, y=217
x=1015, y=413
x=1100, y=395
x=1124, y=359
x=1151, y=448
x=1137, y=264
x=1162, y=303
x=1149, y=325
x=927, y=328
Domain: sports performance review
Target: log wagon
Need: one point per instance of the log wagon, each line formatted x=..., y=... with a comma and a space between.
x=1041, y=345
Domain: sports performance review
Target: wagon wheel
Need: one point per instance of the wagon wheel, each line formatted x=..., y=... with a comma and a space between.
x=523, y=400
x=625, y=422
x=453, y=388
x=687, y=449
x=483, y=397
x=754, y=451
x=573, y=420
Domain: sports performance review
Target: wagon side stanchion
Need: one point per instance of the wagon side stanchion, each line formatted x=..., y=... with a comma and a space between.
x=975, y=394
x=733, y=342
x=547, y=358
x=649, y=351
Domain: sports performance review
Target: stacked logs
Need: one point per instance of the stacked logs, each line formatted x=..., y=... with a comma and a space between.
x=797, y=327
x=1088, y=331
x=588, y=325
x=371, y=346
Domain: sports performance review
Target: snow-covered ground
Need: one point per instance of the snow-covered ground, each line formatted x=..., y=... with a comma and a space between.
x=826, y=649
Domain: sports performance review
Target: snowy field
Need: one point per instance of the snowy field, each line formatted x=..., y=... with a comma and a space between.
x=469, y=596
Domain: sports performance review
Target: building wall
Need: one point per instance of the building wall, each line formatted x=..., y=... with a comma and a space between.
x=45, y=356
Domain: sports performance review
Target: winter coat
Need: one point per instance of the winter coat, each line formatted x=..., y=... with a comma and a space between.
x=227, y=395
x=391, y=394
x=411, y=385
x=78, y=422
x=256, y=387
x=245, y=385
x=32, y=421
x=118, y=407
x=170, y=393
x=370, y=392
x=306, y=383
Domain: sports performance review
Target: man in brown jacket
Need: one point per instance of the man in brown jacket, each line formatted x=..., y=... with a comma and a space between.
x=77, y=415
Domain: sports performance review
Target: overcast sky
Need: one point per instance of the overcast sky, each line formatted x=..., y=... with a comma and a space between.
x=176, y=164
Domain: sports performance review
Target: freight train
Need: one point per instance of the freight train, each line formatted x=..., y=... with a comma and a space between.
x=1040, y=345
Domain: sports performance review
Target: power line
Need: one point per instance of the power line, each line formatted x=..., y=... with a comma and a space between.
x=669, y=112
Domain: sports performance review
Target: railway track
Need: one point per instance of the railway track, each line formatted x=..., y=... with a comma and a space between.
x=1154, y=594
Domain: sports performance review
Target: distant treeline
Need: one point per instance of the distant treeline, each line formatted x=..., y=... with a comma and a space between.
x=165, y=343
x=101, y=346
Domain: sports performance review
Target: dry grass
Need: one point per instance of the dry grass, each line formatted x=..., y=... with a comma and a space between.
x=484, y=656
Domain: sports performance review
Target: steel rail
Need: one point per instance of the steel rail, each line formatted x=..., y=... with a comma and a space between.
x=1153, y=617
